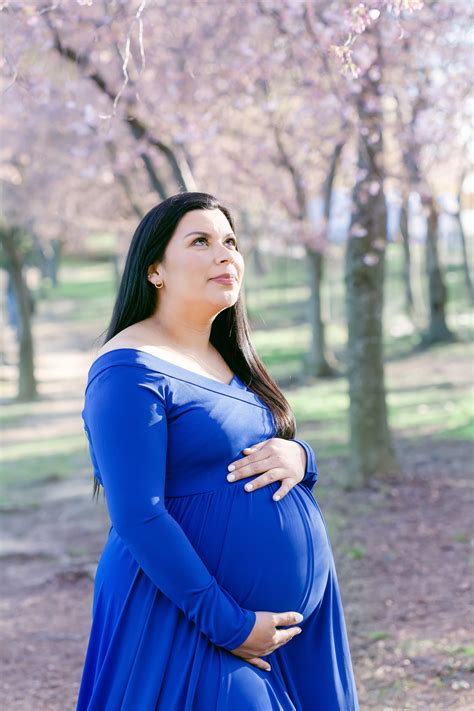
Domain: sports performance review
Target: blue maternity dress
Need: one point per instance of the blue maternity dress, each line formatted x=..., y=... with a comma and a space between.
x=190, y=557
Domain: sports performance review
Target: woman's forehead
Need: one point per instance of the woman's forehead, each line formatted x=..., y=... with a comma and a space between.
x=212, y=221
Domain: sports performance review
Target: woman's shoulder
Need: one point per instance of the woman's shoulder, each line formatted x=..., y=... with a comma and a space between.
x=138, y=337
x=125, y=359
x=130, y=337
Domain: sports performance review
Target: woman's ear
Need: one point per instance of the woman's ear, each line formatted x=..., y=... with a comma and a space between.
x=153, y=269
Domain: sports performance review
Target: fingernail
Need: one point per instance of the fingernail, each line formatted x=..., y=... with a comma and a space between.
x=248, y=487
x=276, y=497
x=231, y=467
x=230, y=477
x=248, y=449
x=269, y=668
x=299, y=617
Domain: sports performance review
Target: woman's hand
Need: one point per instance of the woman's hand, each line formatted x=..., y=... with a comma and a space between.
x=279, y=459
x=265, y=637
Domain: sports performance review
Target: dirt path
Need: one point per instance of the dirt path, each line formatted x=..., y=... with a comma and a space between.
x=408, y=599
x=404, y=560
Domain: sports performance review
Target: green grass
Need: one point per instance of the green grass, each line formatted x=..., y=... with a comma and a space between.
x=38, y=459
x=465, y=651
x=42, y=449
x=378, y=635
x=445, y=412
x=354, y=552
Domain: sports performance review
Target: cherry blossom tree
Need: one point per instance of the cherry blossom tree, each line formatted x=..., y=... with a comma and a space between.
x=431, y=92
x=371, y=446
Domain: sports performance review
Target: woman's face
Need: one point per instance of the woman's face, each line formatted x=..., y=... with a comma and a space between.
x=191, y=261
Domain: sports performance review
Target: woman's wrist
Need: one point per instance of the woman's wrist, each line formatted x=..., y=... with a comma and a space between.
x=311, y=470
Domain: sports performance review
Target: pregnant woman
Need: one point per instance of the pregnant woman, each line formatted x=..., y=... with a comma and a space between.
x=216, y=589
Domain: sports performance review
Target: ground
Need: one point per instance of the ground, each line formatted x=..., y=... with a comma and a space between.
x=403, y=555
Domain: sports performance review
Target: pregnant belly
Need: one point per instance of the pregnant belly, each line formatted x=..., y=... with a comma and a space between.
x=269, y=555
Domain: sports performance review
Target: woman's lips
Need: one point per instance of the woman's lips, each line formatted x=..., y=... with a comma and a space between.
x=224, y=280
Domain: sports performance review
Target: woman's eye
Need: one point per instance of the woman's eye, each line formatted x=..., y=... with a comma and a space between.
x=201, y=239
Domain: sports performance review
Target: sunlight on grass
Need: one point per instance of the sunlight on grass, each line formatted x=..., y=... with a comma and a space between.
x=434, y=410
x=39, y=466
x=41, y=448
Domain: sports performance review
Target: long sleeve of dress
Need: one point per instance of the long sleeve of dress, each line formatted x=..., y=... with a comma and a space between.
x=126, y=423
x=311, y=474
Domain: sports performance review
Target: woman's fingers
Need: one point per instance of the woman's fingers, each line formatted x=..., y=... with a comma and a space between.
x=268, y=477
x=287, y=483
x=258, y=445
x=246, y=467
x=266, y=462
x=287, y=618
x=267, y=637
x=260, y=663
x=284, y=636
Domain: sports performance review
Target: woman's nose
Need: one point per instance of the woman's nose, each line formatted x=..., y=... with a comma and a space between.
x=221, y=252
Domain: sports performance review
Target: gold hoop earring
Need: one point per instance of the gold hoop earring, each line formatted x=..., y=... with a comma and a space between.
x=158, y=286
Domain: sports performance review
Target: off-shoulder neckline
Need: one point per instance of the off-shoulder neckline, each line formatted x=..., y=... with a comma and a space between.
x=137, y=356
x=163, y=360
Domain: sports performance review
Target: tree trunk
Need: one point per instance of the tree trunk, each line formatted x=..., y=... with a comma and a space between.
x=27, y=389
x=462, y=237
x=54, y=259
x=318, y=360
x=438, y=331
x=48, y=257
x=409, y=303
x=465, y=260
x=371, y=451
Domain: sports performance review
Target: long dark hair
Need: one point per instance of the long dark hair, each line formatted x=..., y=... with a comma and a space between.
x=230, y=331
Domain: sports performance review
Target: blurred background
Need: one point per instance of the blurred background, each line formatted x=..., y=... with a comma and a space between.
x=339, y=136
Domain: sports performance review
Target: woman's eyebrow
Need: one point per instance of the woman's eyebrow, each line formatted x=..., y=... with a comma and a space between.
x=206, y=234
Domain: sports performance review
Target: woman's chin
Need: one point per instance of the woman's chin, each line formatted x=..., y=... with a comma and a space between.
x=226, y=300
